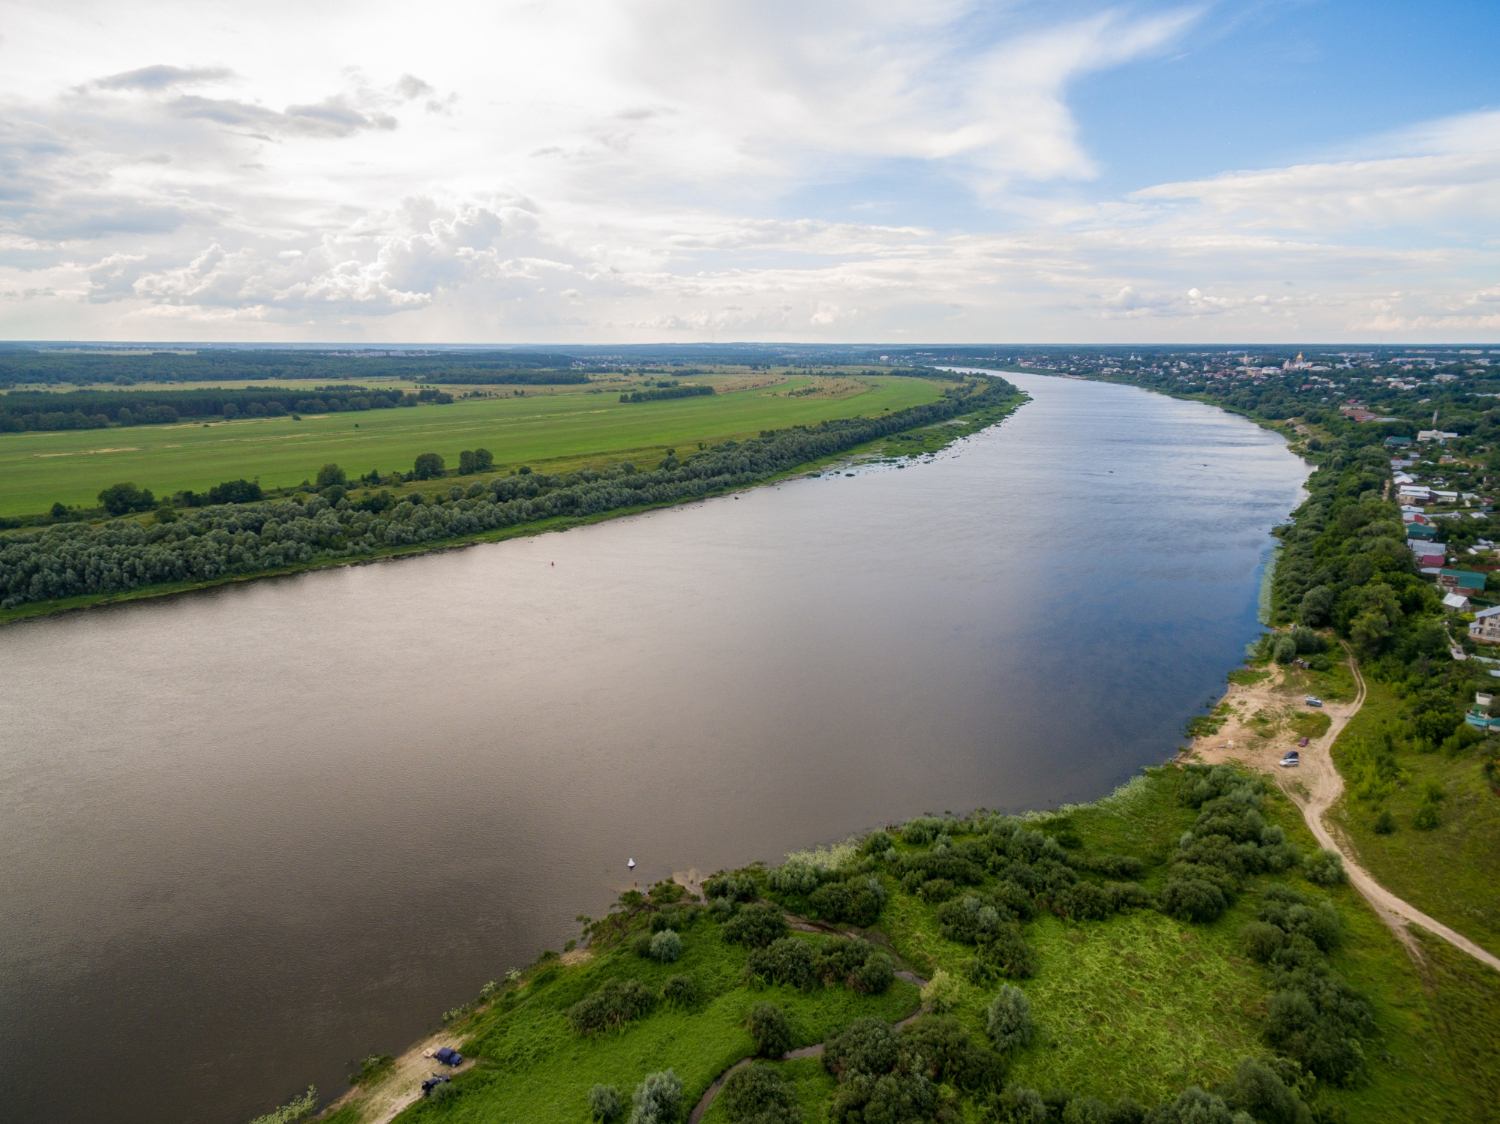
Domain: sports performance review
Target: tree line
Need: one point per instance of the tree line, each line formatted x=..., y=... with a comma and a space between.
x=202, y=544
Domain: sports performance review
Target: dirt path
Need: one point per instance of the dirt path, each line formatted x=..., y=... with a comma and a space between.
x=1314, y=787
x=401, y=1087
x=1326, y=787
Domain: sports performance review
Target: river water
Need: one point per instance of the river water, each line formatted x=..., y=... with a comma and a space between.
x=252, y=834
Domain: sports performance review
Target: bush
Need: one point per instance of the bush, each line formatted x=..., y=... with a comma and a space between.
x=857, y=901
x=1009, y=1022
x=444, y=1092
x=1193, y=899
x=328, y=476
x=236, y=491
x=681, y=991
x=937, y=890
x=757, y=925
x=768, y=1025
x=757, y=1094
x=794, y=877
x=605, y=1103
x=1326, y=868
x=922, y=830
x=1193, y=1106
x=877, y=843
x=657, y=1099
x=1284, y=650
x=1426, y=819
x=1261, y=941
x=864, y=1046
x=732, y=887
x=942, y=992
x=122, y=499
x=666, y=946
x=428, y=466
x=945, y=1054
x=471, y=461
x=785, y=961
x=874, y=976
x=1385, y=823
x=1261, y=1092
x=613, y=1005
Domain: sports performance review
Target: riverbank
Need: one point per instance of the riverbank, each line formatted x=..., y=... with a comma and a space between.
x=912, y=432
x=1126, y=998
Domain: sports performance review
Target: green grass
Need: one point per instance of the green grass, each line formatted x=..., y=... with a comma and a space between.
x=534, y=1067
x=1247, y=676
x=1136, y=1005
x=555, y=428
x=1451, y=873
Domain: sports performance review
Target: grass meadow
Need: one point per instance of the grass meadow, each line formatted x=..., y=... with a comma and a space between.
x=549, y=428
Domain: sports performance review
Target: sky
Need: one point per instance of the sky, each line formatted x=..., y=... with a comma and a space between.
x=552, y=171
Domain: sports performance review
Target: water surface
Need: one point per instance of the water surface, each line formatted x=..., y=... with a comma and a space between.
x=249, y=835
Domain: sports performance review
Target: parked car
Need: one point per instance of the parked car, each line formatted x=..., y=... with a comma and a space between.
x=1291, y=759
x=448, y=1056
x=1302, y=742
x=433, y=1082
x=1313, y=700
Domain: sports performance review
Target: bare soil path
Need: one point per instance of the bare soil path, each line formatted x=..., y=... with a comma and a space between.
x=1315, y=786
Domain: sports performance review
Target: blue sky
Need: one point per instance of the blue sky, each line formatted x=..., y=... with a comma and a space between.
x=644, y=170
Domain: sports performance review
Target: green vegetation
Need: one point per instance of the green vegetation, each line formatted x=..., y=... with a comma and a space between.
x=80, y=560
x=1292, y=998
x=556, y=429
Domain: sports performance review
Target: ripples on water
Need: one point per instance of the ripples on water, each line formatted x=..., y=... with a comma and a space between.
x=249, y=835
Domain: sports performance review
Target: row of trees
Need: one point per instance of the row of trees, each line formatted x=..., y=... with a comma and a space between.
x=96, y=409
x=69, y=560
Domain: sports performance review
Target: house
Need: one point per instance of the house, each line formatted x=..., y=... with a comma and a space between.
x=1429, y=553
x=1479, y=714
x=1460, y=581
x=1486, y=626
x=1420, y=531
x=1436, y=435
x=1396, y=442
x=1456, y=603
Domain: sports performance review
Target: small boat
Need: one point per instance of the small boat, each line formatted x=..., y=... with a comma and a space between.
x=631, y=864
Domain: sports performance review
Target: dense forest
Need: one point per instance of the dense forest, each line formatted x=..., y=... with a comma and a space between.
x=204, y=543
x=95, y=409
x=21, y=366
x=658, y=393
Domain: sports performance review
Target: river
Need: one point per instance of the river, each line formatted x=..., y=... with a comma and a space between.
x=252, y=834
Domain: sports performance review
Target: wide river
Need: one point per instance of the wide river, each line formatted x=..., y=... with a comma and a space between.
x=250, y=835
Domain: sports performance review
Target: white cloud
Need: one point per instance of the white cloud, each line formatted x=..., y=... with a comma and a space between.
x=574, y=170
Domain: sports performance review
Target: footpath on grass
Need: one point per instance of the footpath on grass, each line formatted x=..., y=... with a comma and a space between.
x=1315, y=787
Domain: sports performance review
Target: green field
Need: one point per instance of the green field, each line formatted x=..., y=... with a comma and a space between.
x=1451, y=871
x=552, y=429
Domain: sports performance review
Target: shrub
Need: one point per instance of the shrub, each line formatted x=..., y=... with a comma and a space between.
x=878, y=843
x=681, y=991
x=605, y=1103
x=945, y=1053
x=937, y=890
x=657, y=1099
x=732, y=887
x=1261, y=941
x=666, y=946
x=444, y=1092
x=864, y=1046
x=1385, y=823
x=857, y=901
x=969, y=919
x=1326, y=868
x=922, y=830
x=613, y=1005
x=328, y=476
x=757, y=925
x=874, y=976
x=942, y=992
x=428, y=466
x=1260, y=1091
x=295, y=1109
x=757, y=1094
x=1018, y=1105
x=1008, y=951
x=794, y=877
x=1426, y=819
x=122, y=499
x=768, y=1025
x=1009, y=1023
x=786, y=961
x=1193, y=1106
x=1193, y=899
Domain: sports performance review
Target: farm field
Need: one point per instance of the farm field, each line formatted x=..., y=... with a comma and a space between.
x=550, y=429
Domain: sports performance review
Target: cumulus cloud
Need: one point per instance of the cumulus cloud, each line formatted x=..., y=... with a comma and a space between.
x=585, y=171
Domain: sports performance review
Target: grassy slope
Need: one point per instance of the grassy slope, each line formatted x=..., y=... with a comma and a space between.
x=553, y=429
x=533, y=1066
x=1451, y=873
x=1136, y=1005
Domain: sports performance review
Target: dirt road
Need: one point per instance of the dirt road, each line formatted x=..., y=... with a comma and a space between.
x=1314, y=787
